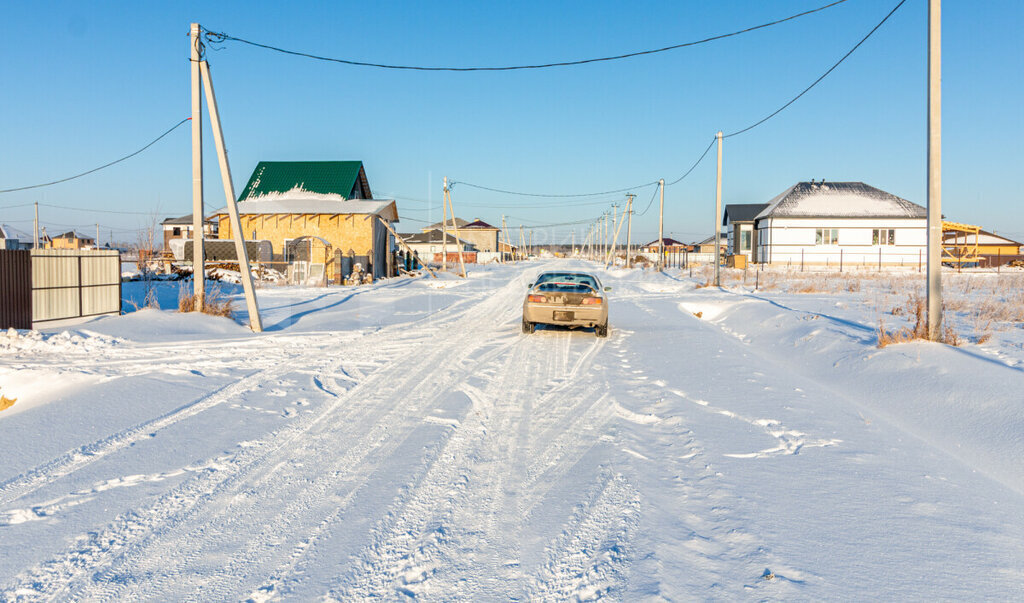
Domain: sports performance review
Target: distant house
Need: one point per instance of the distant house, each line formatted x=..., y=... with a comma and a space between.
x=328, y=203
x=670, y=245
x=428, y=244
x=481, y=234
x=181, y=228
x=825, y=223
x=12, y=238
x=738, y=220
x=71, y=240
x=708, y=245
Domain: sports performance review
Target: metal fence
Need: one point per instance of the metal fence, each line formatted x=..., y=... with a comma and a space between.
x=75, y=284
x=15, y=289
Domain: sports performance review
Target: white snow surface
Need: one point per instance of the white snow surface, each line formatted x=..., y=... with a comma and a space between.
x=405, y=440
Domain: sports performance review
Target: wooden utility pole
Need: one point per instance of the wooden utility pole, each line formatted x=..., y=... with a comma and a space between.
x=661, y=226
x=198, y=249
x=615, y=239
x=522, y=242
x=718, y=213
x=508, y=241
x=629, y=230
x=255, y=322
x=444, y=227
x=455, y=226
x=615, y=229
x=35, y=228
x=97, y=244
x=934, y=272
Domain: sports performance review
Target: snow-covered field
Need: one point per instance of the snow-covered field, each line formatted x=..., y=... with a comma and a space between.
x=406, y=440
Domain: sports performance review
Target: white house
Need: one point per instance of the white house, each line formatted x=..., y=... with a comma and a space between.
x=426, y=244
x=12, y=238
x=819, y=223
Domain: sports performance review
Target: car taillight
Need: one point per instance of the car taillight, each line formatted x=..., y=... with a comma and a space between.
x=591, y=301
x=540, y=299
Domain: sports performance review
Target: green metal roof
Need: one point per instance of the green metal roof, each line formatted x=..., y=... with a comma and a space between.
x=325, y=177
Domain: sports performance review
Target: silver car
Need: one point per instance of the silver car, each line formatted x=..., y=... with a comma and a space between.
x=569, y=299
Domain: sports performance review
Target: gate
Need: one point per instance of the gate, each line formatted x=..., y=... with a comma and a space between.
x=15, y=289
x=75, y=284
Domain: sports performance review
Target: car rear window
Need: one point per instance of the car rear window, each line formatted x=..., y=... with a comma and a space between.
x=568, y=278
x=560, y=287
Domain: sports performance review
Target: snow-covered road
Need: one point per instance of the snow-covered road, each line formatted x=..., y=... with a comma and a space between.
x=407, y=441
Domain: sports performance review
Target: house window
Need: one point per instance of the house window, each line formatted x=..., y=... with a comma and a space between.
x=744, y=240
x=883, y=236
x=176, y=231
x=826, y=236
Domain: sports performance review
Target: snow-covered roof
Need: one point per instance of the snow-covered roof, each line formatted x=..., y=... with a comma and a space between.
x=839, y=200
x=9, y=232
x=297, y=201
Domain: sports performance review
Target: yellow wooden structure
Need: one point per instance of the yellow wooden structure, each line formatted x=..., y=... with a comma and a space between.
x=959, y=251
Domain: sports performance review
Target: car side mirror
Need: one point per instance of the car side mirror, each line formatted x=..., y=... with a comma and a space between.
x=530, y=286
x=607, y=288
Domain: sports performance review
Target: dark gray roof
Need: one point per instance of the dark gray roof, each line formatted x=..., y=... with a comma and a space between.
x=839, y=200
x=434, y=236
x=742, y=212
x=182, y=220
x=458, y=222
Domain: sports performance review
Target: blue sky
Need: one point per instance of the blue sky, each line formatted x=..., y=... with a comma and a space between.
x=87, y=83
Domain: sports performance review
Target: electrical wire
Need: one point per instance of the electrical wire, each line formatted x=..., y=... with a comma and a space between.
x=649, y=204
x=823, y=76
x=554, y=196
x=129, y=156
x=694, y=166
x=221, y=37
x=102, y=211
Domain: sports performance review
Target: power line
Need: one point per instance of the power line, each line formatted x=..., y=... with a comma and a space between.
x=823, y=76
x=220, y=37
x=129, y=156
x=551, y=196
x=101, y=211
x=694, y=166
x=649, y=203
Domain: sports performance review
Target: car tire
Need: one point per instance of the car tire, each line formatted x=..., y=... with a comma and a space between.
x=528, y=326
x=601, y=330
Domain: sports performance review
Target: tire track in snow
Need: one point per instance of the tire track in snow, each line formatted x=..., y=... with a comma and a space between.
x=590, y=558
x=99, y=548
x=450, y=533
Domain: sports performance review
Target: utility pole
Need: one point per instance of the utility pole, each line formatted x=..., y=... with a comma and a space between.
x=572, y=244
x=97, y=236
x=198, y=248
x=444, y=227
x=718, y=213
x=615, y=223
x=610, y=258
x=508, y=241
x=629, y=230
x=934, y=273
x=522, y=242
x=455, y=226
x=531, y=241
x=35, y=228
x=241, y=254
x=661, y=226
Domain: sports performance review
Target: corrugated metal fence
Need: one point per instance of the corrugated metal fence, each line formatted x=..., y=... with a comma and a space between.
x=15, y=289
x=62, y=284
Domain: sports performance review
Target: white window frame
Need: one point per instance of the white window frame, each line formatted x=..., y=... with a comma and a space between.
x=883, y=236
x=826, y=236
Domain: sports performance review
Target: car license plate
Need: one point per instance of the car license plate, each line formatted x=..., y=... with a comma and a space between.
x=566, y=316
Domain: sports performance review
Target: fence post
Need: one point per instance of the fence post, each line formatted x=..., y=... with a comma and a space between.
x=801, y=260
x=879, y=259
x=999, y=258
x=757, y=279
x=840, y=261
x=919, y=260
